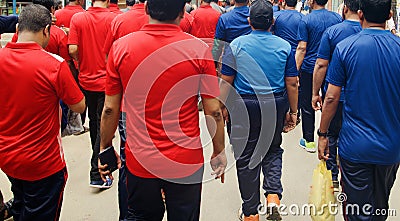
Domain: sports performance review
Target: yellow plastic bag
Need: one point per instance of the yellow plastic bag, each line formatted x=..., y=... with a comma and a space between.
x=321, y=195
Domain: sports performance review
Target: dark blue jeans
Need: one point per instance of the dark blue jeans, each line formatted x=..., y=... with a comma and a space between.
x=122, y=190
x=307, y=112
x=369, y=187
x=333, y=136
x=257, y=125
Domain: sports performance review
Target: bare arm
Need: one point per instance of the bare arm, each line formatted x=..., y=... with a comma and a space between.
x=330, y=106
x=321, y=66
x=300, y=53
x=293, y=93
x=225, y=87
x=73, y=52
x=109, y=120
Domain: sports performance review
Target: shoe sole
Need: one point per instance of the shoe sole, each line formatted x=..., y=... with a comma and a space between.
x=307, y=149
x=100, y=187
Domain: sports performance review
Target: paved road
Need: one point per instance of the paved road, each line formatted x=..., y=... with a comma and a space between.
x=220, y=201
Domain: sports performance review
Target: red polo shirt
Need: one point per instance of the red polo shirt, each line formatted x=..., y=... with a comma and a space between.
x=161, y=70
x=57, y=43
x=114, y=8
x=126, y=23
x=205, y=21
x=186, y=23
x=64, y=15
x=89, y=30
x=32, y=83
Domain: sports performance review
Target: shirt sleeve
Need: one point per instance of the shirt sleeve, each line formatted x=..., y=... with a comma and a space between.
x=336, y=70
x=186, y=23
x=324, y=51
x=291, y=69
x=209, y=87
x=113, y=79
x=228, y=62
x=73, y=37
x=220, y=30
x=302, y=33
x=66, y=87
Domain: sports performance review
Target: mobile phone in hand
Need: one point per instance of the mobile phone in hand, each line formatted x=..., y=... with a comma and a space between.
x=109, y=157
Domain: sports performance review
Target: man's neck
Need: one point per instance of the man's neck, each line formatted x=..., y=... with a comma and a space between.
x=29, y=37
x=371, y=25
x=290, y=8
x=74, y=3
x=318, y=7
x=100, y=4
x=205, y=4
x=240, y=4
x=174, y=22
x=352, y=17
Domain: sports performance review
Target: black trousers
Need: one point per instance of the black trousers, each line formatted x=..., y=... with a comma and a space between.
x=257, y=146
x=38, y=200
x=367, y=186
x=95, y=104
x=333, y=136
x=145, y=203
x=307, y=112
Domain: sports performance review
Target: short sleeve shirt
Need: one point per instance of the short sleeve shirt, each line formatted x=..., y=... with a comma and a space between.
x=64, y=15
x=205, y=21
x=260, y=62
x=286, y=26
x=160, y=70
x=33, y=82
x=89, y=31
x=367, y=65
x=311, y=28
x=233, y=24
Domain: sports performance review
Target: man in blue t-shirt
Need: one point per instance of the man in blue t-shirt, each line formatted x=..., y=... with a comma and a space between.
x=311, y=28
x=262, y=69
x=367, y=65
x=331, y=37
x=287, y=23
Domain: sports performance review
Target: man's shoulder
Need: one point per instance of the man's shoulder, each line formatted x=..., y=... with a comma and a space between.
x=78, y=17
x=350, y=42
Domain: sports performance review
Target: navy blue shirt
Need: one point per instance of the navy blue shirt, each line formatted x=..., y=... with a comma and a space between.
x=286, y=26
x=233, y=24
x=8, y=24
x=367, y=65
x=311, y=28
x=332, y=36
x=260, y=62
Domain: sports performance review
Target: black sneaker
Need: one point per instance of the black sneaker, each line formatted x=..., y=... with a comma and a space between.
x=273, y=214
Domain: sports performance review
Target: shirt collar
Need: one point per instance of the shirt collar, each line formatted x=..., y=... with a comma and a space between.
x=98, y=9
x=138, y=6
x=73, y=6
x=352, y=22
x=24, y=45
x=375, y=31
x=319, y=10
x=161, y=27
x=205, y=6
x=241, y=8
x=261, y=32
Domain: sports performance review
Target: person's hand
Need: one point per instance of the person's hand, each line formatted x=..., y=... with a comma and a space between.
x=316, y=102
x=323, y=148
x=290, y=122
x=103, y=168
x=218, y=164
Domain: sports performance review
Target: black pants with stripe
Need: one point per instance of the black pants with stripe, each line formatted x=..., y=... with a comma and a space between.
x=38, y=200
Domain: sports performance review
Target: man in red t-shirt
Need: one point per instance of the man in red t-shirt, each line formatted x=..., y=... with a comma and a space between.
x=160, y=71
x=64, y=15
x=30, y=144
x=205, y=21
x=86, y=39
x=124, y=24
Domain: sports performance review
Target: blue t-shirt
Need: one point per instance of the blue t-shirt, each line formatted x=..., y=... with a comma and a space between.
x=286, y=26
x=233, y=24
x=368, y=66
x=332, y=36
x=260, y=62
x=275, y=8
x=311, y=28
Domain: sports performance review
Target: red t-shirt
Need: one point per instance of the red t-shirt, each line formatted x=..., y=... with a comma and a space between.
x=114, y=8
x=186, y=23
x=64, y=15
x=161, y=70
x=205, y=21
x=57, y=43
x=126, y=23
x=32, y=83
x=89, y=31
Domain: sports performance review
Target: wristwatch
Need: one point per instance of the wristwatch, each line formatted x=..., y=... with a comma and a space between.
x=320, y=134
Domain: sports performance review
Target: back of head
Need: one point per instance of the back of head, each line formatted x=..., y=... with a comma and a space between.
x=291, y=3
x=46, y=3
x=376, y=11
x=321, y=2
x=207, y=1
x=261, y=14
x=114, y=1
x=34, y=18
x=165, y=10
x=352, y=5
x=130, y=2
x=142, y=1
x=241, y=1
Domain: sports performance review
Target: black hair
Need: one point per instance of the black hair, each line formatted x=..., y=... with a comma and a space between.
x=291, y=3
x=34, y=18
x=130, y=2
x=114, y=1
x=207, y=1
x=241, y=1
x=376, y=11
x=321, y=2
x=165, y=10
x=46, y=3
x=142, y=1
x=353, y=5
x=261, y=14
